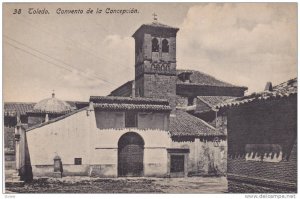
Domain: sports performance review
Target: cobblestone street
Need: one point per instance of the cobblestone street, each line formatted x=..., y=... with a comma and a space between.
x=121, y=185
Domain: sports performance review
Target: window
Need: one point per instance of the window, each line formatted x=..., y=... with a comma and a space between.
x=155, y=45
x=177, y=163
x=190, y=101
x=165, y=46
x=130, y=119
x=78, y=161
x=185, y=77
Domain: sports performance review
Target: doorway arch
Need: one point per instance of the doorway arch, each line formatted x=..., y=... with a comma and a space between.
x=130, y=155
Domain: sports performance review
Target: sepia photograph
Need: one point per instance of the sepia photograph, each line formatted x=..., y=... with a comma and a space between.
x=168, y=98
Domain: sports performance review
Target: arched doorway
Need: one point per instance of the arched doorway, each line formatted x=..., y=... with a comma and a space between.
x=130, y=155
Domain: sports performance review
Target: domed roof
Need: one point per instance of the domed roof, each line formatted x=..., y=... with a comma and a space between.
x=52, y=105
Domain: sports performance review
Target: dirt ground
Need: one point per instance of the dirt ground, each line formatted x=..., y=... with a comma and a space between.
x=121, y=185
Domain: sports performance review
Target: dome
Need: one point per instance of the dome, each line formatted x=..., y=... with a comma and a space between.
x=52, y=105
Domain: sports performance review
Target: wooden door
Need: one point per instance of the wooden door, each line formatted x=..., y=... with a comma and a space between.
x=130, y=155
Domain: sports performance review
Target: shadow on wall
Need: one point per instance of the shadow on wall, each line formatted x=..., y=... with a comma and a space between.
x=25, y=169
x=213, y=161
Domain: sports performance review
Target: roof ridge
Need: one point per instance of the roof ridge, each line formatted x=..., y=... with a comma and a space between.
x=210, y=76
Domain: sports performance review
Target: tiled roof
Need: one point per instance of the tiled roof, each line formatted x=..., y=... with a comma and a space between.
x=212, y=101
x=159, y=25
x=52, y=105
x=155, y=24
x=198, y=78
x=128, y=100
x=14, y=108
x=122, y=106
x=50, y=112
x=184, y=124
x=285, y=89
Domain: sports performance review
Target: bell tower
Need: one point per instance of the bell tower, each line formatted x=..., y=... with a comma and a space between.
x=155, y=61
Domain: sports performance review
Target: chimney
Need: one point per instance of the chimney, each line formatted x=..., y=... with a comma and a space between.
x=268, y=86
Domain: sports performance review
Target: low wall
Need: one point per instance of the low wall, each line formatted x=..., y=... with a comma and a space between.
x=68, y=170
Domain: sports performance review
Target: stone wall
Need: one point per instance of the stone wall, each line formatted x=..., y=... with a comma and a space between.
x=9, y=138
x=204, y=157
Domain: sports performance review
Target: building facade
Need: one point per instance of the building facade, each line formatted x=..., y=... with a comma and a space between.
x=146, y=127
x=262, y=140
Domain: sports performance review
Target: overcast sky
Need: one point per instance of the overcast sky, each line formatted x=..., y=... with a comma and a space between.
x=83, y=55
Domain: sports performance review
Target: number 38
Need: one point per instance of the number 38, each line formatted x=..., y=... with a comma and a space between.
x=17, y=11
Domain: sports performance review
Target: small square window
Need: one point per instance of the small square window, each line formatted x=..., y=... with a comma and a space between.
x=130, y=119
x=78, y=161
x=177, y=163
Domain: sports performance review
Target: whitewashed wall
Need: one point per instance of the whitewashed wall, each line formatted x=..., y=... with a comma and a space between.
x=77, y=136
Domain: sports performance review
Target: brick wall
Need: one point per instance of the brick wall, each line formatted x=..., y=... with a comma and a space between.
x=269, y=122
x=160, y=86
x=285, y=170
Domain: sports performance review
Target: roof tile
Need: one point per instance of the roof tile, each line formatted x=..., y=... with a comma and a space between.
x=201, y=79
x=14, y=108
x=143, y=107
x=285, y=89
x=184, y=124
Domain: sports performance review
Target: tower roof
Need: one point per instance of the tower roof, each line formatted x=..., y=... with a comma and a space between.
x=155, y=25
x=52, y=105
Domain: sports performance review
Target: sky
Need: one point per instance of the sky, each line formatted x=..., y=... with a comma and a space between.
x=246, y=44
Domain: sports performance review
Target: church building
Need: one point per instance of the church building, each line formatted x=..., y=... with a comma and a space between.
x=161, y=124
